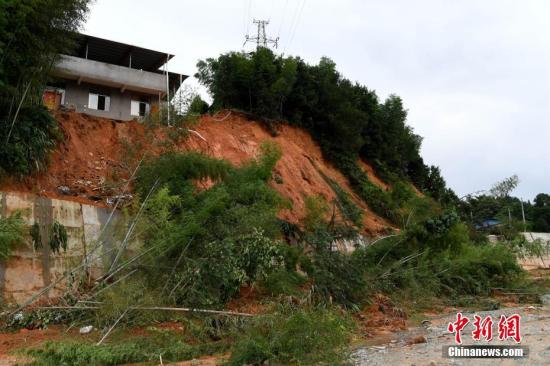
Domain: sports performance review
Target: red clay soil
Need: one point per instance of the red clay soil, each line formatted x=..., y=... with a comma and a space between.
x=248, y=301
x=382, y=317
x=373, y=177
x=10, y=341
x=98, y=156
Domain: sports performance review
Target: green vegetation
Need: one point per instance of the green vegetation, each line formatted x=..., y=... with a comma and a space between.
x=346, y=118
x=12, y=232
x=31, y=140
x=32, y=34
x=498, y=203
x=302, y=337
x=208, y=229
x=216, y=239
x=57, y=237
x=540, y=213
x=166, y=344
x=203, y=230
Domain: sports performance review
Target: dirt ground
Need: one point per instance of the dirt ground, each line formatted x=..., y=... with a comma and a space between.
x=423, y=345
x=98, y=155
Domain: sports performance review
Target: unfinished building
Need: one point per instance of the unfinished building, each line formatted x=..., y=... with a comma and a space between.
x=110, y=79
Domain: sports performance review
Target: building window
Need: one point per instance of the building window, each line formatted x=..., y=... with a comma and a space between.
x=100, y=102
x=139, y=109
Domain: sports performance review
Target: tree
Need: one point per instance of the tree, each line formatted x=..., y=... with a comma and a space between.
x=345, y=118
x=505, y=187
x=541, y=213
x=32, y=35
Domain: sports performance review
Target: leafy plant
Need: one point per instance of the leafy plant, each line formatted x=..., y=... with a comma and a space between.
x=32, y=35
x=12, y=232
x=30, y=142
x=216, y=239
x=300, y=337
x=167, y=345
x=58, y=238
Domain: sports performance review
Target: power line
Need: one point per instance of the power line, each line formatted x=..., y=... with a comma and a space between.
x=293, y=19
x=293, y=31
x=245, y=20
x=249, y=9
x=261, y=38
x=282, y=19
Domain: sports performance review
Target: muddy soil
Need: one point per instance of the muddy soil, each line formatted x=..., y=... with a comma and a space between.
x=98, y=155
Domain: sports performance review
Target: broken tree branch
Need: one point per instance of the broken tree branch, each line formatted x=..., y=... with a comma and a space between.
x=132, y=226
x=112, y=327
x=154, y=308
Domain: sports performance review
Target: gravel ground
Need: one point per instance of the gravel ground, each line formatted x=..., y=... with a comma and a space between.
x=535, y=330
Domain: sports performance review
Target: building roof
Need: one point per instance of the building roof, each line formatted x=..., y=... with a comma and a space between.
x=117, y=53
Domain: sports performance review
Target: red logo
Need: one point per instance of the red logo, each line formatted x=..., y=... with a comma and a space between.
x=508, y=327
x=457, y=326
x=483, y=328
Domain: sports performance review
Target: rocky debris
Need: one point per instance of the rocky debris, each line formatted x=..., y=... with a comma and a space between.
x=65, y=190
x=87, y=329
x=417, y=340
x=545, y=299
x=121, y=199
x=535, y=324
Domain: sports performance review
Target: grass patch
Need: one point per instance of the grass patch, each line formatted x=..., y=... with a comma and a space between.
x=167, y=344
x=301, y=337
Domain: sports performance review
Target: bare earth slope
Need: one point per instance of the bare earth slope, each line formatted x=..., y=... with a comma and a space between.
x=98, y=155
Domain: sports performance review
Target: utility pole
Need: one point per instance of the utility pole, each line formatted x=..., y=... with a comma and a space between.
x=523, y=217
x=261, y=38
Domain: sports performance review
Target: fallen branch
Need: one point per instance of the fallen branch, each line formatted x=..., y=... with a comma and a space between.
x=197, y=134
x=219, y=312
x=382, y=238
x=224, y=118
x=131, y=229
x=112, y=327
x=153, y=308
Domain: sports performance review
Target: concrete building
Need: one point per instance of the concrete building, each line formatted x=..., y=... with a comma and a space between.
x=111, y=79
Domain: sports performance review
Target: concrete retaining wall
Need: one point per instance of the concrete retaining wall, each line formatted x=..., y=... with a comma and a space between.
x=538, y=262
x=29, y=270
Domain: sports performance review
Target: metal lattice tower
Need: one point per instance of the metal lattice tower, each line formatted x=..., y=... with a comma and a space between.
x=261, y=38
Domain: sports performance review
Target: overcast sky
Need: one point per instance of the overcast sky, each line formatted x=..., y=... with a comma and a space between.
x=474, y=75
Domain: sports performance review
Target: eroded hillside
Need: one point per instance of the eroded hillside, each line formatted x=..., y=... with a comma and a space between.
x=97, y=157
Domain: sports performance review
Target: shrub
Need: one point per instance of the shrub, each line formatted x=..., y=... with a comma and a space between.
x=476, y=269
x=34, y=135
x=349, y=209
x=283, y=282
x=57, y=240
x=215, y=239
x=301, y=337
x=316, y=211
x=336, y=278
x=134, y=350
x=177, y=170
x=435, y=262
x=12, y=232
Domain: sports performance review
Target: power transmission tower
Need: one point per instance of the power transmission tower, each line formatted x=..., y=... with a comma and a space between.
x=261, y=38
